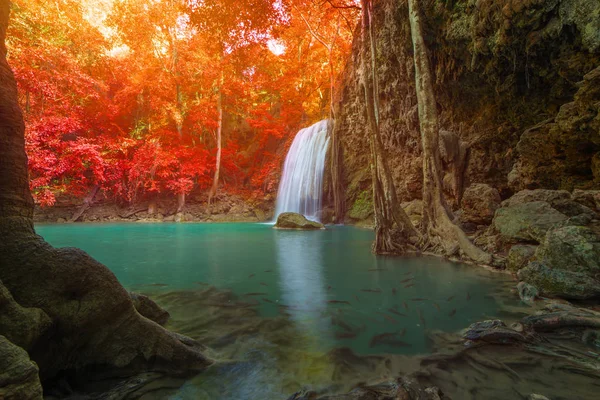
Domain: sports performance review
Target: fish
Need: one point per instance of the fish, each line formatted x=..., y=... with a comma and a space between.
x=407, y=280
x=418, y=299
x=251, y=276
x=421, y=317
x=338, y=322
x=158, y=284
x=377, y=269
x=405, y=305
x=255, y=294
x=387, y=338
x=410, y=285
x=450, y=298
x=268, y=270
x=468, y=296
x=329, y=287
x=268, y=301
x=338, y=302
x=356, y=298
x=452, y=312
x=436, y=305
x=202, y=283
x=388, y=318
x=345, y=335
x=407, y=273
x=403, y=332
x=263, y=284
x=396, y=312
x=394, y=291
x=371, y=290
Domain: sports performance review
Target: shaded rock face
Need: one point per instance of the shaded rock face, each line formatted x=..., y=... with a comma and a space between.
x=479, y=203
x=507, y=82
x=526, y=222
x=19, y=378
x=297, y=221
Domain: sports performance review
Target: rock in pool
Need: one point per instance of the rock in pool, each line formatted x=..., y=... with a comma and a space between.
x=290, y=220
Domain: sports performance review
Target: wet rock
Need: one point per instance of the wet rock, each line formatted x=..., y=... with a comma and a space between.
x=19, y=379
x=519, y=256
x=492, y=331
x=558, y=282
x=527, y=292
x=571, y=248
x=527, y=222
x=534, y=396
x=290, y=220
x=479, y=203
x=22, y=326
x=149, y=309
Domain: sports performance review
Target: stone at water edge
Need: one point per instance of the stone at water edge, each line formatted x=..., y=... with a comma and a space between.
x=571, y=248
x=149, y=309
x=519, y=256
x=289, y=220
x=559, y=283
x=527, y=292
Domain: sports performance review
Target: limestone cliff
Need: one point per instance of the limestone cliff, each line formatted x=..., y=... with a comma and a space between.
x=518, y=92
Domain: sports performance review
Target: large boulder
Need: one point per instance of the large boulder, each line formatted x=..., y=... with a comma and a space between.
x=588, y=198
x=527, y=222
x=519, y=256
x=529, y=196
x=571, y=248
x=289, y=220
x=22, y=326
x=479, y=203
x=19, y=379
x=559, y=283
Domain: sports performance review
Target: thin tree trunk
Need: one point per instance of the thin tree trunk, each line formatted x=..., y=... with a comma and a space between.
x=394, y=232
x=87, y=203
x=215, y=184
x=180, y=202
x=440, y=231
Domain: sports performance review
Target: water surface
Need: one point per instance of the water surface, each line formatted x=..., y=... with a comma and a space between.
x=326, y=287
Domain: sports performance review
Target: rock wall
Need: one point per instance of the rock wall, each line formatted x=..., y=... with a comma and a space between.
x=518, y=90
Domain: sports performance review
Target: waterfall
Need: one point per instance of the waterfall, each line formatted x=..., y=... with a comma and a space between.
x=301, y=186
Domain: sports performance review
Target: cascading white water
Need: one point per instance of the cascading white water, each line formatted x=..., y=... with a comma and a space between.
x=301, y=186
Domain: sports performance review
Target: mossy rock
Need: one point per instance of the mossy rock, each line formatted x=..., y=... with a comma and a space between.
x=362, y=207
x=527, y=222
x=519, y=256
x=560, y=283
x=571, y=248
x=19, y=378
x=290, y=220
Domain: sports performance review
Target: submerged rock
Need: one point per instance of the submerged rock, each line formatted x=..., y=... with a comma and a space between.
x=479, y=203
x=19, y=379
x=149, y=309
x=527, y=222
x=527, y=292
x=289, y=220
x=492, y=331
x=559, y=283
x=519, y=256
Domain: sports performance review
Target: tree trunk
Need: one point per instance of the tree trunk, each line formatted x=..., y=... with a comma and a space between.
x=87, y=203
x=180, y=202
x=93, y=323
x=440, y=231
x=213, y=190
x=394, y=232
